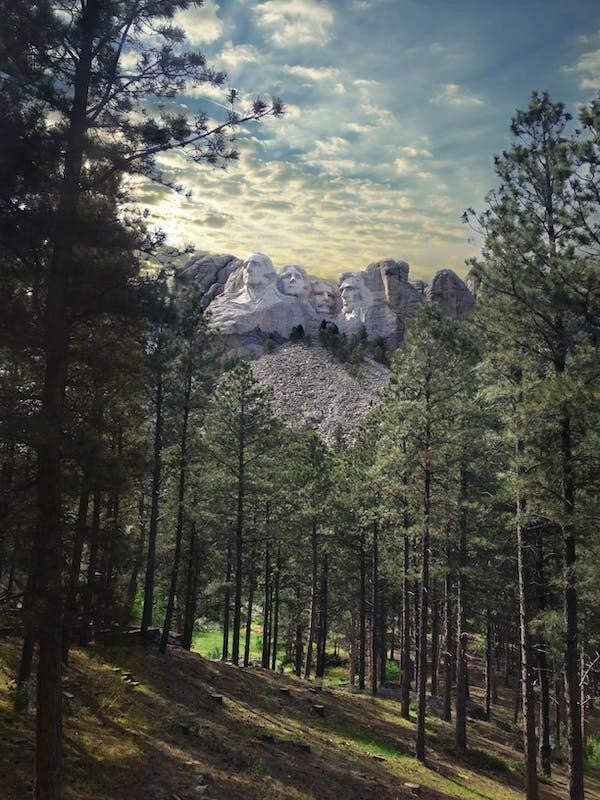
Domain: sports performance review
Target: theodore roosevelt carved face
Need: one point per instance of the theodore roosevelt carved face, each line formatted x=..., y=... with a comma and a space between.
x=325, y=297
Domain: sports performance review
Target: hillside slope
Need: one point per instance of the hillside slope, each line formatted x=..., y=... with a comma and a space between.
x=139, y=725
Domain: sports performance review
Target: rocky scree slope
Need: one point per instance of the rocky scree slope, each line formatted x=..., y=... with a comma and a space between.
x=311, y=388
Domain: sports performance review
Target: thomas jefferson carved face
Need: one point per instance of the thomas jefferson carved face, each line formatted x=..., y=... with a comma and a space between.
x=324, y=298
x=294, y=281
x=257, y=273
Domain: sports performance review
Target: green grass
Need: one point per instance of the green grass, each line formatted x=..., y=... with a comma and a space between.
x=209, y=643
x=592, y=752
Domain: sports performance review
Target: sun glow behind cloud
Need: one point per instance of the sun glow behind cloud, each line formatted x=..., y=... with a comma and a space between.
x=388, y=135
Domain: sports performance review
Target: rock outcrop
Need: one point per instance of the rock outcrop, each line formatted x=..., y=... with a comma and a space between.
x=450, y=294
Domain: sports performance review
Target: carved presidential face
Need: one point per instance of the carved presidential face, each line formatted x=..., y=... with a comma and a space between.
x=325, y=297
x=294, y=281
x=353, y=295
x=257, y=273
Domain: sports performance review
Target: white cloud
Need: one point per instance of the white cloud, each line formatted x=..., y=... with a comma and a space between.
x=453, y=95
x=315, y=74
x=339, y=88
x=201, y=25
x=357, y=127
x=294, y=22
x=587, y=69
x=232, y=55
x=415, y=152
x=408, y=166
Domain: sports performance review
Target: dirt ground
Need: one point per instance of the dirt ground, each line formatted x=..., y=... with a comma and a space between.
x=141, y=726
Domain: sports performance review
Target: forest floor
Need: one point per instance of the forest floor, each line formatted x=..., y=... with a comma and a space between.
x=140, y=725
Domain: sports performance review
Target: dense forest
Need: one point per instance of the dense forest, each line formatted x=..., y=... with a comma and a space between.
x=146, y=484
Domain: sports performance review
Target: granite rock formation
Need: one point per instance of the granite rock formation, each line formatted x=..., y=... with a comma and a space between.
x=450, y=294
x=249, y=300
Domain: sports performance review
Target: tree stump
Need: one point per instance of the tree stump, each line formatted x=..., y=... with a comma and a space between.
x=319, y=709
x=285, y=690
x=218, y=698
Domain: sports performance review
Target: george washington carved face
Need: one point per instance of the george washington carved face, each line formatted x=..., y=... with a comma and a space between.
x=257, y=273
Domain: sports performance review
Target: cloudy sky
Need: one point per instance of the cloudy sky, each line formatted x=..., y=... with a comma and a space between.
x=394, y=111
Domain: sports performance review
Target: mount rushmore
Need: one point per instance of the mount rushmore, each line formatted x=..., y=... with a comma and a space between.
x=250, y=299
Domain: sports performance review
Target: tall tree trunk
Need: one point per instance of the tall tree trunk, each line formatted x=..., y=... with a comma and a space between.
x=87, y=610
x=489, y=663
x=148, y=609
x=75, y=569
x=527, y=693
x=139, y=556
x=448, y=639
x=572, y=689
x=423, y=616
x=249, y=612
x=239, y=541
x=435, y=637
x=183, y=446
x=313, y=599
x=542, y=662
x=362, y=615
x=189, y=616
x=461, y=621
x=322, y=639
x=557, y=707
x=382, y=635
x=375, y=609
x=276, y=609
x=21, y=701
x=267, y=586
x=226, y=605
x=47, y=566
x=406, y=661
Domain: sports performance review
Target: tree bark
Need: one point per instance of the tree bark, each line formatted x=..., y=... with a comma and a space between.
x=87, y=611
x=322, y=641
x=189, y=616
x=572, y=693
x=138, y=558
x=423, y=616
x=406, y=661
x=47, y=567
x=461, y=622
x=226, y=604
x=448, y=638
x=267, y=585
x=183, y=447
x=75, y=569
x=489, y=663
x=313, y=599
x=435, y=612
x=249, y=611
x=527, y=694
x=542, y=662
x=148, y=609
x=239, y=538
x=276, y=610
x=375, y=609
x=362, y=616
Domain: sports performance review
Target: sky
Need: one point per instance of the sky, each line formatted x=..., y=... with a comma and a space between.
x=394, y=111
